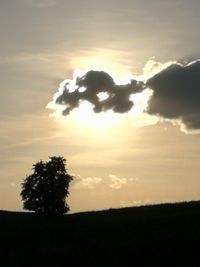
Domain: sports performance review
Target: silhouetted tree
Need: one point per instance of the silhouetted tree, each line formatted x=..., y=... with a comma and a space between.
x=46, y=189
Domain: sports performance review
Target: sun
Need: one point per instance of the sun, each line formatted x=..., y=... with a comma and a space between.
x=85, y=117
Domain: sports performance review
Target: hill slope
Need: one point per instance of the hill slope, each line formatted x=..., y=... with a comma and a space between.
x=162, y=235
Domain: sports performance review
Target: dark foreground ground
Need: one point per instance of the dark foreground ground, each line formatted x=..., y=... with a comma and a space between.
x=160, y=235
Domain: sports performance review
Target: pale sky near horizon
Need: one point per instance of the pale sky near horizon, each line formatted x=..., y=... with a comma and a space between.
x=120, y=164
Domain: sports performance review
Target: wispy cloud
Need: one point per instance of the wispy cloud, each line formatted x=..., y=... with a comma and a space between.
x=86, y=183
x=125, y=203
x=131, y=203
x=117, y=182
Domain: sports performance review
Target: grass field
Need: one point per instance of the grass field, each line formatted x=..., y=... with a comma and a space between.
x=157, y=235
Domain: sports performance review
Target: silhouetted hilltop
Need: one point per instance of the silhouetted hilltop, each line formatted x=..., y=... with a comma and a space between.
x=157, y=235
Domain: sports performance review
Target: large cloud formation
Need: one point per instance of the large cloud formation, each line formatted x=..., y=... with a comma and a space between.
x=176, y=93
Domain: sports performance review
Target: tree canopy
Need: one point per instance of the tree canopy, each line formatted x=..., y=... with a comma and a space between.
x=46, y=189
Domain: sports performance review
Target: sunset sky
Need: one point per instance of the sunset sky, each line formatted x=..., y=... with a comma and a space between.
x=119, y=159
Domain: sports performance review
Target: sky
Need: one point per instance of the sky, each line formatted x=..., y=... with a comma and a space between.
x=130, y=158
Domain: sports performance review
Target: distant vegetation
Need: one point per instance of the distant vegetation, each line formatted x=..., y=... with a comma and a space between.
x=160, y=235
x=46, y=189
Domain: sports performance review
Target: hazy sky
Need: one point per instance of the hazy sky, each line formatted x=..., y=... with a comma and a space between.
x=117, y=160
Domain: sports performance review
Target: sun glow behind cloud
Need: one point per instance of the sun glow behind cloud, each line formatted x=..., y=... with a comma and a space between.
x=153, y=67
x=85, y=117
x=108, y=60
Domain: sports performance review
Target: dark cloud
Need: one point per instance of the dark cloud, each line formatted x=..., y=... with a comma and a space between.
x=95, y=82
x=176, y=94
